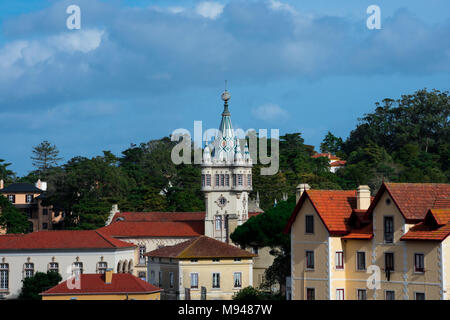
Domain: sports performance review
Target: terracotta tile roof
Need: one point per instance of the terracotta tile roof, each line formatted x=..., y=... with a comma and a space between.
x=435, y=226
x=333, y=206
x=338, y=163
x=326, y=155
x=95, y=283
x=159, y=216
x=414, y=199
x=254, y=214
x=61, y=239
x=442, y=203
x=201, y=247
x=365, y=232
x=131, y=229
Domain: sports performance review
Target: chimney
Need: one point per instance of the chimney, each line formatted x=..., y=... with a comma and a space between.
x=108, y=275
x=38, y=184
x=363, y=197
x=2, y=184
x=300, y=189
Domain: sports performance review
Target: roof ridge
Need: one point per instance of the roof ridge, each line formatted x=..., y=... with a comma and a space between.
x=193, y=242
x=104, y=237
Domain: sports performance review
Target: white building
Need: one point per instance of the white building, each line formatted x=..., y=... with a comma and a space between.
x=86, y=251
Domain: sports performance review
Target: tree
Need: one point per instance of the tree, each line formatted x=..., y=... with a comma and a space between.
x=266, y=230
x=38, y=283
x=331, y=144
x=6, y=174
x=11, y=218
x=45, y=155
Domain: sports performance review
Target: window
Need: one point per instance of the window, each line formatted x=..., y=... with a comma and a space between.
x=194, y=280
x=102, y=266
x=388, y=229
x=4, y=276
x=203, y=180
x=390, y=295
x=194, y=260
x=28, y=198
x=142, y=275
x=78, y=268
x=255, y=250
x=389, y=261
x=215, y=260
x=45, y=225
x=237, y=277
x=310, y=294
x=362, y=294
x=249, y=179
x=29, y=270
x=45, y=212
x=218, y=223
x=217, y=180
x=234, y=180
x=309, y=224
x=160, y=278
x=339, y=260
x=216, y=280
x=227, y=180
x=360, y=261
x=208, y=180
x=420, y=295
x=222, y=180
x=171, y=279
x=309, y=259
x=142, y=250
x=12, y=198
x=339, y=294
x=240, y=179
x=237, y=259
x=152, y=277
x=54, y=267
x=419, y=262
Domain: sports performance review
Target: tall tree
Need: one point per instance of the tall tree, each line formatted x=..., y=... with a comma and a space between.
x=331, y=144
x=45, y=155
x=11, y=218
x=38, y=283
x=6, y=174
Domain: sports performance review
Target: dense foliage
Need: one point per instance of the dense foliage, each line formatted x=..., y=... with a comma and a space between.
x=251, y=294
x=11, y=218
x=38, y=283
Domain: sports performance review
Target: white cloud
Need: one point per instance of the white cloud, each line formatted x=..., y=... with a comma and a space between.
x=85, y=40
x=209, y=9
x=277, y=5
x=269, y=112
x=176, y=10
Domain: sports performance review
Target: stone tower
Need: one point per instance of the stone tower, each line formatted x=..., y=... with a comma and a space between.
x=226, y=180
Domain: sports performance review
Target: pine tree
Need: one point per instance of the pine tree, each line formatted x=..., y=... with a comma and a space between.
x=45, y=155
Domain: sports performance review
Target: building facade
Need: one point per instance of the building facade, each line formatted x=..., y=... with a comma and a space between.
x=200, y=269
x=348, y=246
x=65, y=252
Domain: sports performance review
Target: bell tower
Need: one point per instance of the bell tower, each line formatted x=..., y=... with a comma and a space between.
x=226, y=180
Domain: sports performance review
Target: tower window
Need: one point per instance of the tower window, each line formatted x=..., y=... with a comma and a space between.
x=217, y=180
x=208, y=180
x=249, y=179
x=240, y=179
x=227, y=180
x=222, y=180
x=218, y=223
x=203, y=180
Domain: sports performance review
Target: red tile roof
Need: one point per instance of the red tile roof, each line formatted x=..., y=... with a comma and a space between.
x=121, y=283
x=135, y=229
x=435, y=226
x=201, y=247
x=326, y=155
x=333, y=206
x=362, y=233
x=414, y=199
x=338, y=163
x=61, y=239
x=159, y=216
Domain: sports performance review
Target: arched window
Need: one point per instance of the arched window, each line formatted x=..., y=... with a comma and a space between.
x=102, y=266
x=4, y=276
x=218, y=223
x=77, y=268
x=119, y=267
x=53, y=266
x=130, y=266
x=125, y=266
x=142, y=250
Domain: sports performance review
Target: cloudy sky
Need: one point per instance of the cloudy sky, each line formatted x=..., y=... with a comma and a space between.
x=139, y=69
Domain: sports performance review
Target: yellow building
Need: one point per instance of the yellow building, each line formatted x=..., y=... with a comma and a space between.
x=107, y=286
x=201, y=266
x=346, y=245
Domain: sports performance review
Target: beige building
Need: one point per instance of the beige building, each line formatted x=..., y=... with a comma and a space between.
x=201, y=268
x=28, y=199
x=398, y=241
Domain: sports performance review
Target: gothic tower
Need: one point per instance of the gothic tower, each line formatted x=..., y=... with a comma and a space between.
x=226, y=180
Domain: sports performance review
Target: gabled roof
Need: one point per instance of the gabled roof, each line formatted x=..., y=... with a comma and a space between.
x=121, y=283
x=413, y=199
x=435, y=226
x=61, y=239
x=326, y=155
x=333, y=206
x=131, y=229
x=21, y=188
x=201, y=247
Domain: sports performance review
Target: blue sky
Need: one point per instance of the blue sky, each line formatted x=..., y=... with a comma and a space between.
x=139, y=69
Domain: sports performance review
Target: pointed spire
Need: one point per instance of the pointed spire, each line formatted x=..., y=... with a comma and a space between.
x=237, y=150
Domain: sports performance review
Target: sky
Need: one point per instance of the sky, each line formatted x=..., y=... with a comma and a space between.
x=137, y=70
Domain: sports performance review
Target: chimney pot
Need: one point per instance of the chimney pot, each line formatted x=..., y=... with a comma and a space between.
x=363, y=197
x=108, y=275
x=300, y=189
